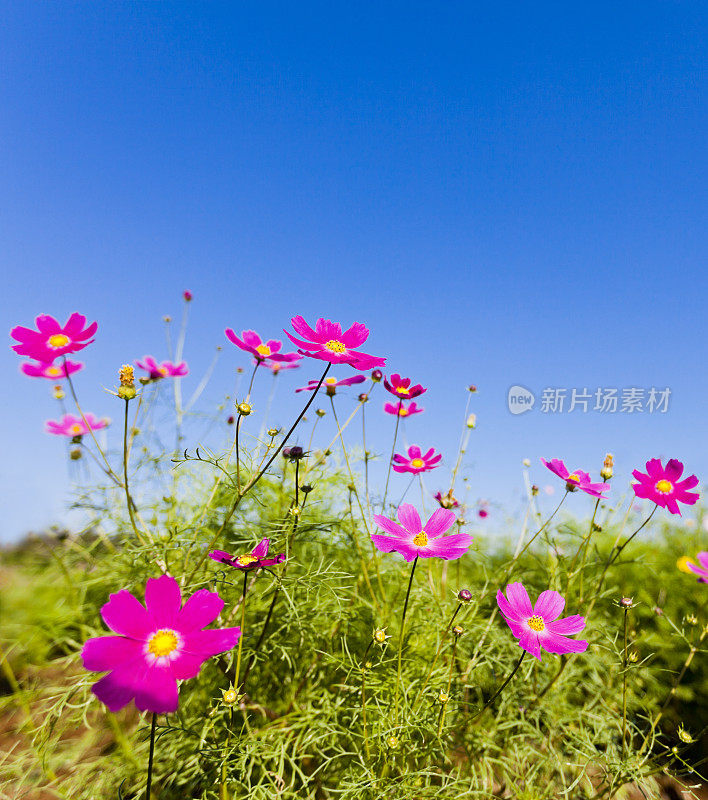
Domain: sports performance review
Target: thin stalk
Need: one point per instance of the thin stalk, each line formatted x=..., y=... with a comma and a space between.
x=243, y=622
x=152, y=752
x=583, y=547
x=400, y=635
x=443, y=708
x=435, y=658
x=500, y=689
x=464, y=438
x=363, y=699
x=393, y=452
x=625, y=661
x=129, y=500
x=238, y=460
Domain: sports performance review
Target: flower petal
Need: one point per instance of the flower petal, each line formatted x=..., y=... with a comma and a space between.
x=519, y=598
x=440, y=521
x=409, y=518
x=549, y=605
x=163, y=599
x=212, y=642
x=567, y=625
x=104, y=653
x=124, y=614
x=202, y=608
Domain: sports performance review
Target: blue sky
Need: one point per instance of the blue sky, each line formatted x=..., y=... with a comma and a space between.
x=505, y=195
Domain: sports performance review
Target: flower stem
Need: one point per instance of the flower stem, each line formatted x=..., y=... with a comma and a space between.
x=500, y=689
x=152, y=752
x=625, y=661
x=243, y=620
x=128, y=498
x=393, y=452
x=435, y=658
x=443, y=707
x=400, y=635
x=363, y=698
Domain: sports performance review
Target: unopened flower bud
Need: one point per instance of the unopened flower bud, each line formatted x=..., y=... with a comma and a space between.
x=167, y=318
x=472, y=421
x=376, y=375
x=633, y=656
x=443, y=697
x=526, y=462
x=126, y=375
x=244, y=409
x=380, y=636
x=692, y=619
x=239, y=370
x=393, y=742
x=296, y=453
x=229, y=696
x=187, y=296
x=320, y=412
x=363, y=397
x=306, y=488
x=607, y=472
x=272, y=432
x=458, y=630
x=626, y=602
x=464, y=595
x=684, y=735
x=534, y=490
x=59, y=393
x=75, y=453
x=285, y=452
x=230, y=420
x=472, y=388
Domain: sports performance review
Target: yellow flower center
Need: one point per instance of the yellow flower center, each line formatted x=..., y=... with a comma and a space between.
x=162, y=371
x=330, y=381
x=417, y=463
x=76, y=429
x=403, y=412
x=229, y=697
x=334, y=346
x=380, y=636
x=421, y=539
x=245, y=560
x=403, y=390
x=663, y=486
x=163, y=642
x=536, y=623
x=263, y=350
x=58, y=340
x=683, y=563
x=53, y=372
x=574, y=477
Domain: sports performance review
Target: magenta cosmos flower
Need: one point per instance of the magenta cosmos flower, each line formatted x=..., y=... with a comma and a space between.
x=416, y=461
x=662, y=486
x=538, y=626
x=327, y=342
x=51, y=339
x=156, y=647
x=412, y=539
x=332, y=384
x=277, y=366
x=701, y=571
x=52, y=371
x=401, y=387
x=165, y=370
x=577, y=479
x=400, y=410
x=74, y=426
x=253, y=560
x=252, y=343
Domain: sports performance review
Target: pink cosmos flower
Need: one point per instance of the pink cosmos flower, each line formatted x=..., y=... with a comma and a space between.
x=156, y=647
x=400, y=410
x=411, y=539
x=416, y=461
x=538, y=626
x=662, y=486
x=401, y=387
x=276, y=366
x=252, y=343
x=327, y=342
x=331, y=384
x=52, y=371
x=577, y=479
x=253, y=560
x=701, y=571
x=165, y=370
x=74, y=426
x=51, y=339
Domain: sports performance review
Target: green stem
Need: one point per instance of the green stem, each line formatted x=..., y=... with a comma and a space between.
x=625, y=661
x=128, y=498
x=243, y=621
x=152, y=752
x=400, y=635
x=500, y=689
x=393, y=452
x=435, y=658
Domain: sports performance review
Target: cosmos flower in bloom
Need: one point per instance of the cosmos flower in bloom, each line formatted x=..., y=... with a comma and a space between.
x=276, y=366
x=252, y=343
x=74, y=426
x=51, y=339
x=165, y=370
x=702, y=570
x=329, y=343
x=662, y=486
x=156, y=646
x=400, y=410
x=577, y=479
x=538, y=626
x=331, y=384
x=253, y=560
x=54, y=372
x=416, y=461
x=401, y=387
x=411, y=538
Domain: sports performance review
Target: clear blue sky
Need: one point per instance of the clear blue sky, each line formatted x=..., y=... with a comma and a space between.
x=504, y=193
